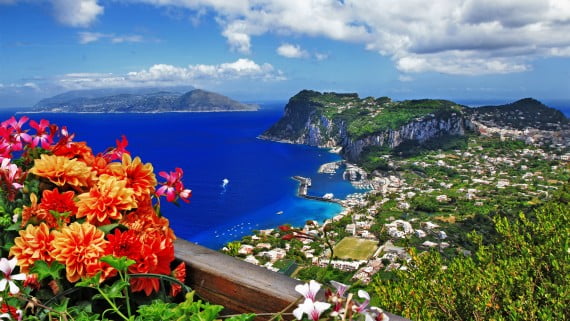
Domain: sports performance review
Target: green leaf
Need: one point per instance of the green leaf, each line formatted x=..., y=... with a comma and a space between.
x=115, y=290
x=119, y=263
x=242, y=317
x=43, y=270
x=91, y=282
x=110, y=227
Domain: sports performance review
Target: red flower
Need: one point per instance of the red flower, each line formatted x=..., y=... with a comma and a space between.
x=60, y=203
x=157, y=253
x=117, y=152
x=12, y=311
x=152, y=253
x=124, y=244
x=180, y=274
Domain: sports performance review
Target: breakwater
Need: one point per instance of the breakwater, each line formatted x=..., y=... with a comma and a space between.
x=302, y=191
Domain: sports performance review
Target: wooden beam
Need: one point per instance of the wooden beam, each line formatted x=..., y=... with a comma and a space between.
x=239, y=286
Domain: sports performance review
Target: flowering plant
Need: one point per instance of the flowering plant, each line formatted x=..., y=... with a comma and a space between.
x=342, y=304
x=71, y=219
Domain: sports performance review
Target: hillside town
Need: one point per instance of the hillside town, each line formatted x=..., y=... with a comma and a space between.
x=430, y=202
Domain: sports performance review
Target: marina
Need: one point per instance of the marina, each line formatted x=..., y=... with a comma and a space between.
x=302, y=191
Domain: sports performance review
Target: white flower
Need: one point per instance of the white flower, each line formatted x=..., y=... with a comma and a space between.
x=309, y=290
x=7, y=267
x=311, y=308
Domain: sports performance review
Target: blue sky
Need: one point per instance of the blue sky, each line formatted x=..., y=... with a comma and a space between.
x=256, y=50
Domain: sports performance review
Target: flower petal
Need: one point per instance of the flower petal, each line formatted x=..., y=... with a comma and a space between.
x=14, y=289
x=3, y=284
x=5, y=266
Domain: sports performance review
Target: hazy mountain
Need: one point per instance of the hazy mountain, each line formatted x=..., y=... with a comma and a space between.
x=163, y=99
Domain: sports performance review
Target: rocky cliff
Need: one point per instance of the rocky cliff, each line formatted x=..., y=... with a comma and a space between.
x=344, y=120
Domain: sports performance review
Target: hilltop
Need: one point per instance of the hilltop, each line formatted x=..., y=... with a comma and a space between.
x=356, y=126
x=125, y=100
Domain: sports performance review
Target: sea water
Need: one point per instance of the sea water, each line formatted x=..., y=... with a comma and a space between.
x=239, y=183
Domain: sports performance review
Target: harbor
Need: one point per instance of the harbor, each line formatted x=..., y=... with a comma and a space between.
x=305, y=184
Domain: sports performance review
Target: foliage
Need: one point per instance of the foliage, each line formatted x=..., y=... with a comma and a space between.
x=425, y=203
x=525, y=275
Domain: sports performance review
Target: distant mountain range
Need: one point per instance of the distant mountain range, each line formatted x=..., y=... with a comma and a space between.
x=140, y=100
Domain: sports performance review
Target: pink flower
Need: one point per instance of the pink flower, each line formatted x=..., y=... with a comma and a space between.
x=309, y=290
x=173, y=187
x=18, y=133
x=362, y=307
x=10, y=173
x=41, y=137
x=7, y=267
x=311, y=308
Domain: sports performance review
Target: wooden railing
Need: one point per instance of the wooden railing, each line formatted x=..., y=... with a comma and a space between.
x=237, y=285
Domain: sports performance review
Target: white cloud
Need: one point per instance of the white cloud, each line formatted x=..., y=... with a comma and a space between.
x=291, y=51
x=405, y=78
x=86, y=37
x=448, y=36
x=77, y=13
x=169, y=75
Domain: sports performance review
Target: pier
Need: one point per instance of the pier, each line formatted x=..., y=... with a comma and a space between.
x=302, y=191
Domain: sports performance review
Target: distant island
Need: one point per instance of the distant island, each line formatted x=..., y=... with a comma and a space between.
x=141, y=100
x=361, y=129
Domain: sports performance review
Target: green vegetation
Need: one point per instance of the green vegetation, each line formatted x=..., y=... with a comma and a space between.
x=368, y=116
x=525, y=275
x=355, y=248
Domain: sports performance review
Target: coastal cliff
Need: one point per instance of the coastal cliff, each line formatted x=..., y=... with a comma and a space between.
x=354, y=125
x=344, y=120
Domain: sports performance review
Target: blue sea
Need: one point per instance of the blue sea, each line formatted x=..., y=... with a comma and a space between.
x=211, y=147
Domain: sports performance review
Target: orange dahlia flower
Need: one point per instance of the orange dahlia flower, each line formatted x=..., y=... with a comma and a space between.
x=35, y=213
x=105, y=201
x=145, y=221
x=61, y=170
x=140, y=177
x=79, y=247
x=97, y=163
x=33, y=244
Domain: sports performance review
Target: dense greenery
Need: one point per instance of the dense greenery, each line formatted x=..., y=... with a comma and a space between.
x=368, y=116
x=525, y=275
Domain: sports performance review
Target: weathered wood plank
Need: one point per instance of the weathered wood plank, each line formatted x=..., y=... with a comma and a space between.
x=237, y=285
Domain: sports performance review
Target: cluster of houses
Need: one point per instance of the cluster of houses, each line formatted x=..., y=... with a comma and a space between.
x=479, y=176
